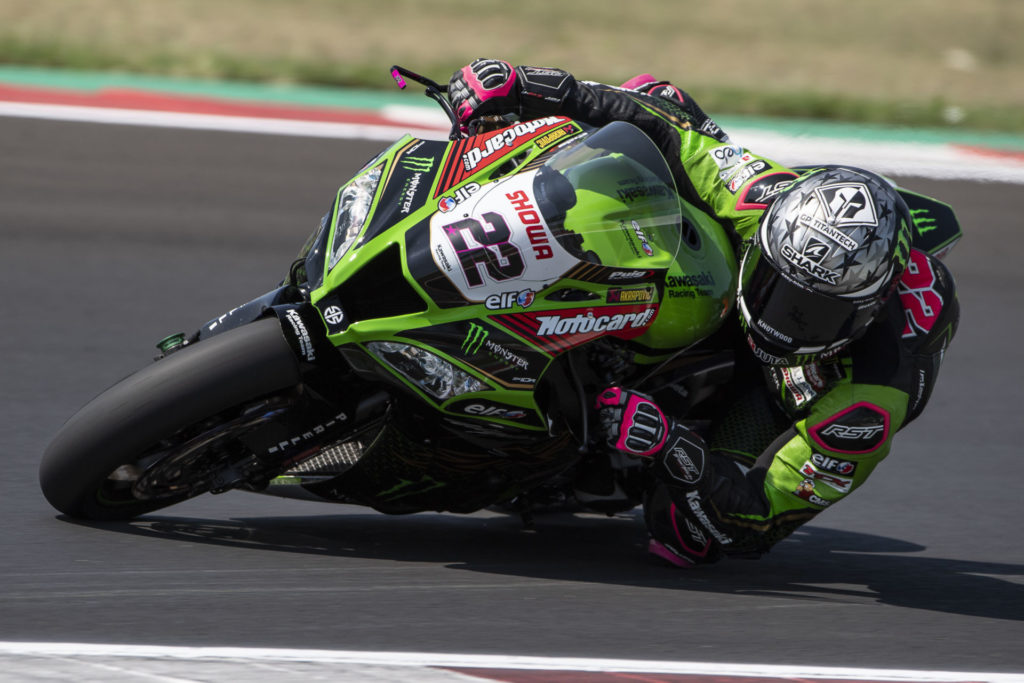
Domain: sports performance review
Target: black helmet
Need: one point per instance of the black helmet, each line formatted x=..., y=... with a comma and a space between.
x=826, y=256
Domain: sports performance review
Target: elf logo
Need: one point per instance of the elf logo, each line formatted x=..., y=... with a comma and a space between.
x=828, y=464
x=497, y=302
x=483, y=410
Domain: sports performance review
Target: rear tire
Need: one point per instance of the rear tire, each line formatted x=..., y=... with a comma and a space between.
x=126, y=422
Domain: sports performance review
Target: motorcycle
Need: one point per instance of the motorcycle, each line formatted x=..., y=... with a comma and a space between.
x=439, y=341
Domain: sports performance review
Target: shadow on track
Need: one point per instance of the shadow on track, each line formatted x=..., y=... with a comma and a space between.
x=816, y=564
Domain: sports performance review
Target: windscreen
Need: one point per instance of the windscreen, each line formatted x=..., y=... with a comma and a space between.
x=611, y=199
x=608, y=199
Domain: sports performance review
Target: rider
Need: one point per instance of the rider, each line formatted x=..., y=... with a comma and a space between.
x=837, y=363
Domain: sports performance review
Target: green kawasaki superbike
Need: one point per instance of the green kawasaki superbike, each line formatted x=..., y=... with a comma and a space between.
x=438, y=343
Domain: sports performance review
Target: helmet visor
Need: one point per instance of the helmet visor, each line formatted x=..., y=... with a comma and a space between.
x=794, y=317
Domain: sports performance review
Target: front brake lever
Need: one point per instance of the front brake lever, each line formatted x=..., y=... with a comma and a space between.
x=435, y=91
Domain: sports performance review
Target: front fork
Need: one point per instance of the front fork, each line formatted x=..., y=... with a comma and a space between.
x=330, y=403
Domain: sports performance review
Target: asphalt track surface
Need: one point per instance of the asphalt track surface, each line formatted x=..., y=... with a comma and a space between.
x=112, y=237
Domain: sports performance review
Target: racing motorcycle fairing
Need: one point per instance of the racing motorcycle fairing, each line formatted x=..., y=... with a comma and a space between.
x=462, y=269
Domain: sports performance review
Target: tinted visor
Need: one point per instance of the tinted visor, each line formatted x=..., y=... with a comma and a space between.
x=793, y=317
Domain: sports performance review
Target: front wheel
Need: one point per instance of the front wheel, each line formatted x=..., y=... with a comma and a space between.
x=164, y=434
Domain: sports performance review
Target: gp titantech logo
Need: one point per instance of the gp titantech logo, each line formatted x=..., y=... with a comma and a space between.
x=417, y=164
x=475, y=339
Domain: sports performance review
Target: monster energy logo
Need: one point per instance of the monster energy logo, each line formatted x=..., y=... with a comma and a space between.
x=923, y=221
x=475, y=339
x=417, y=164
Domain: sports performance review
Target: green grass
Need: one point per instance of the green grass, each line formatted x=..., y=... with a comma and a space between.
x=919, y=62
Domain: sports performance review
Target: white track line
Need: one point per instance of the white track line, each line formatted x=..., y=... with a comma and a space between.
x=939, y=161
x=237, y=124
x=423, y=659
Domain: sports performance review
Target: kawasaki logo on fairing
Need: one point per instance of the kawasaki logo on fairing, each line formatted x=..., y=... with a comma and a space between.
x=302, y=334
x=556, y=324
x=703, y=279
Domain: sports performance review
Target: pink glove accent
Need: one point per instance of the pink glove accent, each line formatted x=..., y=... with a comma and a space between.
x=637, y=81
x=640, y=422
x=481, y=92
x=646, y=83
x=629, y=419
x=609, y=397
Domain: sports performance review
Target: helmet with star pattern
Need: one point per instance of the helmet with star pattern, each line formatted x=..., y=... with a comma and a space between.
x=826, y=256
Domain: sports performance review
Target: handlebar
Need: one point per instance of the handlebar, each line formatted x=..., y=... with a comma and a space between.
x=435, y=91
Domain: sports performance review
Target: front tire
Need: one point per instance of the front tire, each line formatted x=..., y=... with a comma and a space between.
x=83, y=468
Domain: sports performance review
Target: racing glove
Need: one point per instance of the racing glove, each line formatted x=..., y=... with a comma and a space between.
x=494, y=87
x=677, y=511
x=683, y=523
x=631, y=422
